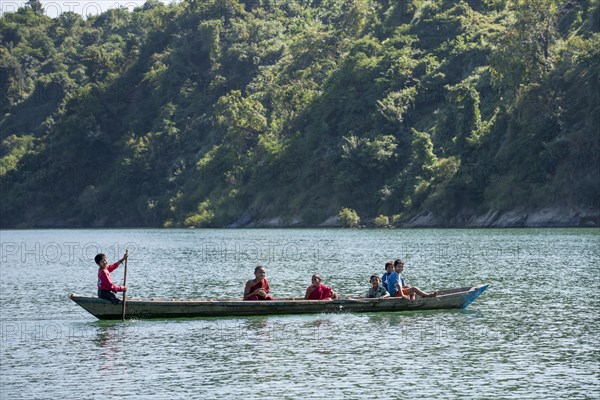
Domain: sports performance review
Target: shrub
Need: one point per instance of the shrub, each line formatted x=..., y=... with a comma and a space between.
x=382, y=221
x=202, y=218
x=199, y=220
x=349, y=218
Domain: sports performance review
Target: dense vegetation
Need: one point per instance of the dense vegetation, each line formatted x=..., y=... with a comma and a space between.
x=208, y=112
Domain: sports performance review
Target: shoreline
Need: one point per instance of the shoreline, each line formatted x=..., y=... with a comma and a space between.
x=519, y=218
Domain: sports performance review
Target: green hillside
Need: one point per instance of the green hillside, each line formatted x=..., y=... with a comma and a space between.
x=219, y=112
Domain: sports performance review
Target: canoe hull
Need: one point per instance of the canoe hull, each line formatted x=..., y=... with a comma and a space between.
x=163, y=308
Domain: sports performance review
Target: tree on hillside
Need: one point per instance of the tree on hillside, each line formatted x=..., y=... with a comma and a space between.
x=36, y=6
x=523, y=53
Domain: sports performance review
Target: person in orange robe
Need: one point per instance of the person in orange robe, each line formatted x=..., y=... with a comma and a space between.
x=318, y=291
x=258, y=288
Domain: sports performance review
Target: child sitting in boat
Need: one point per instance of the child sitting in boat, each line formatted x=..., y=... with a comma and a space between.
x=390, y=279
x=377, y=291
x=402, y=289
x=106, y=287
x=318, y=291
x=258, y=288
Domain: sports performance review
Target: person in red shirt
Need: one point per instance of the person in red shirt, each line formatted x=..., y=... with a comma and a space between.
x=318, y=291
x=106, y=287
x=258, y=288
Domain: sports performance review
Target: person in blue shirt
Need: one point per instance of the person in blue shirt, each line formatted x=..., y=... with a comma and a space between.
x=402, y=289
x=390, y=279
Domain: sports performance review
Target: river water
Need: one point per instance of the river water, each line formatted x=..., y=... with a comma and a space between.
x=533, y=334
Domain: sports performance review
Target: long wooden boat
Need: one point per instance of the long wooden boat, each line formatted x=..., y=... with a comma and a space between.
x=188, y=308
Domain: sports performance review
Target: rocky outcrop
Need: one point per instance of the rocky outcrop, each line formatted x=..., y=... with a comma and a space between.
x=275, y=222
x=331, y=222
x=423, y=219
x=519, y=218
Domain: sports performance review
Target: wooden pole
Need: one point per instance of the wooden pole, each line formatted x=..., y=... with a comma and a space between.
x=125, y=284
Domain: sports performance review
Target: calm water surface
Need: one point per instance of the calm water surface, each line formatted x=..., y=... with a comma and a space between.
x=533, y=334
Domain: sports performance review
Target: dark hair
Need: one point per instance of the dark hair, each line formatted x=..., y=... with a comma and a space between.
x=258, y=267
x=98, y=258
x=398, y=261
x=389, y=264
x=374, y=276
